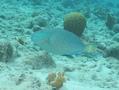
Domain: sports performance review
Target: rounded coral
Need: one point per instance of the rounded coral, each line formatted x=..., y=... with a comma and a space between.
x=75, y=22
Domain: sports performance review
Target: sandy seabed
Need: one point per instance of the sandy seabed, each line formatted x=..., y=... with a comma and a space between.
x=29, y=66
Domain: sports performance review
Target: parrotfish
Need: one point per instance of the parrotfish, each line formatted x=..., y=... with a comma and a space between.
x=58, y=41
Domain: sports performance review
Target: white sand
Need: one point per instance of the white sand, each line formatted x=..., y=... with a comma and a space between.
x=82, y=73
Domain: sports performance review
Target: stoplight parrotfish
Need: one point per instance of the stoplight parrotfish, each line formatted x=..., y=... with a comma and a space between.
x=58, y=41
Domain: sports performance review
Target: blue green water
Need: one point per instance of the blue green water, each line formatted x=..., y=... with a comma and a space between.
x=36, y=35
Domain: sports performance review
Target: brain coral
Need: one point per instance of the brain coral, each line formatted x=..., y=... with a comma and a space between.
x=75, y=22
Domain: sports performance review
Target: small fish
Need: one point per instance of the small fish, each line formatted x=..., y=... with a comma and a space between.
x=58, y=41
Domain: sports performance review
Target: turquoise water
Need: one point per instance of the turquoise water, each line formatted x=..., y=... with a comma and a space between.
x=73, y=39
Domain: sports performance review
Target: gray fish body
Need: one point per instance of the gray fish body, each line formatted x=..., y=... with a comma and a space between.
x=58, y=41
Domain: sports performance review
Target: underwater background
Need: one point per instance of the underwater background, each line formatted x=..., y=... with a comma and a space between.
x=59, y=45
